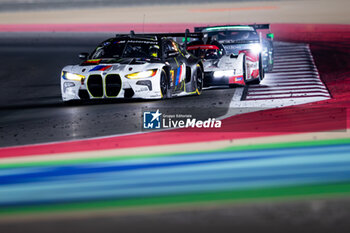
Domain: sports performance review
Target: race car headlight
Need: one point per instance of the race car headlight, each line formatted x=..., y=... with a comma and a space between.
x=256, y=48
x=142, y=74
x=71, y=76
x=226, y=73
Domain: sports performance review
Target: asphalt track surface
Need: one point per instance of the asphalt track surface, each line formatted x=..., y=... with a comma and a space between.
x=31, y=108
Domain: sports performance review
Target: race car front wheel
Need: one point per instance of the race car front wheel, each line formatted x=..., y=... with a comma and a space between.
x=164, y=85
x=199, y=80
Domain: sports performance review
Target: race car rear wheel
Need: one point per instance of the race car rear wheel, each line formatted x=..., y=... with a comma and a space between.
x=261, y=69
x=199, y=79
x=164, y=84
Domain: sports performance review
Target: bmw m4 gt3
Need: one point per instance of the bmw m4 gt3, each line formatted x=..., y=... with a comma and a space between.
x=149, y=66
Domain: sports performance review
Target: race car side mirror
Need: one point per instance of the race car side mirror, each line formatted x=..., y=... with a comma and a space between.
x=83, y=56
x=233, y=56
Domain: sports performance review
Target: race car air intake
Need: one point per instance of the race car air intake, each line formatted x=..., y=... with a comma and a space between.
x=95, y=85
x=113, y=85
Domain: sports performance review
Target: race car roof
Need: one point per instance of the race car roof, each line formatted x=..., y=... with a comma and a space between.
x=157, y=36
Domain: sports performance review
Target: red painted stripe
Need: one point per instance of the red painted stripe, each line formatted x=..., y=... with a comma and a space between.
x=286, y=32
x=105, y=68
x=93, y=27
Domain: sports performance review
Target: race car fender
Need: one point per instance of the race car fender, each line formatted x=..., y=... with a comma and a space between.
x=251, y=56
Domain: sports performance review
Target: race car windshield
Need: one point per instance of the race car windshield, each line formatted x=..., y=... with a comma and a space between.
x=235, y=36
x=127, y=49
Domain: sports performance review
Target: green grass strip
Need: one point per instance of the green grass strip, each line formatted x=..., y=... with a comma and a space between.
x=232, y=148
x=284, y=193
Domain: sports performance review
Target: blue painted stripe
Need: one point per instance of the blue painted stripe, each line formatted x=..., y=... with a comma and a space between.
x=96, y=68
x=184, y=174
x=89, y=169
x=177, y=76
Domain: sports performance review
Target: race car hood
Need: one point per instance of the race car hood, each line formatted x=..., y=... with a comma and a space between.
x=127, y=65
x=224, y=63
x=235, y=48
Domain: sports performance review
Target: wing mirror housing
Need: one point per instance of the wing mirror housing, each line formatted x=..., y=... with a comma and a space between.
x=83, y=56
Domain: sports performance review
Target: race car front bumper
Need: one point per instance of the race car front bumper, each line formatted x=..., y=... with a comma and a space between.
x=98, y=86
x=210, y=80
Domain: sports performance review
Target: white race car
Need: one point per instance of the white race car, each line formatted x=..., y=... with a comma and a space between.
x=234, y=54
x=220, y=68
x=150, y=66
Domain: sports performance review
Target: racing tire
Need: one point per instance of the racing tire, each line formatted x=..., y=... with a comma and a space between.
x=261, y=69
x=199, y=77
x=164, y=85
x=261, y=73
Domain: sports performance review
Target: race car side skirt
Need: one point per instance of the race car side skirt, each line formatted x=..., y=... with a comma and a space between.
x=236, y=80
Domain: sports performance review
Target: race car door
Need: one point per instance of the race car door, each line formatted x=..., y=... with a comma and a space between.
x=178, y=70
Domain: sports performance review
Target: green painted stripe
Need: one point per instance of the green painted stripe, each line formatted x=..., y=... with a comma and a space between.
x=232, y=148
x=290, y=144
x=279, y=193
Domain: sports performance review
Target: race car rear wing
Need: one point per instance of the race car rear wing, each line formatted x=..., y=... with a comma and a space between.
x=158, y=36
x=255, y=26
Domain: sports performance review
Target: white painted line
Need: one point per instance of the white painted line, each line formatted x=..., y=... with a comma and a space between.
x=252, y=105
x=291, y=56
x=282, y=79
x=294, y=80
x=273, y=83
x=293, y=69
x=294, y=66
x=287, y=91
x=300, y=72
x=292, y=60
x=286, y=64
x=288, y=76
x=291, y=95
x=286, y=87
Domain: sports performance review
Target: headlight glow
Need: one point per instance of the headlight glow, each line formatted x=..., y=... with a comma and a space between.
x=226, y=73
x=142, y=74
x=71, y=76
x=256, y=48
